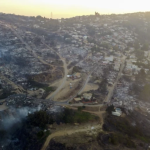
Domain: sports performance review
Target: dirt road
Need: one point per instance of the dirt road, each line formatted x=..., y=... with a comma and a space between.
x=73, y=130
x=63, y=81
x=111, y=91
x=41, y=60
x=87, y=128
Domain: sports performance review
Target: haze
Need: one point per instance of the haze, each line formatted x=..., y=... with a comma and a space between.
x=67, y=8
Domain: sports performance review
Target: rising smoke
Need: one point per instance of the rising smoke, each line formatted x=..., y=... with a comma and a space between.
x=13, y=116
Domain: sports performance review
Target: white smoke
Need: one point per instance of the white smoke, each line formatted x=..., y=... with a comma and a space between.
x=16, y=115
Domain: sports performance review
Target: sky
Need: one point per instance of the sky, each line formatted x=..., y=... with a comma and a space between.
x=70, y=8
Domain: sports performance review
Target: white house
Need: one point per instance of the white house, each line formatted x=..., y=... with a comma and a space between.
x=117, y=112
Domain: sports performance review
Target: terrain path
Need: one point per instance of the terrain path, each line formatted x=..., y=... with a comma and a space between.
x=68, y=132
x=63, y=82
x=86, y=128
x=41, y=60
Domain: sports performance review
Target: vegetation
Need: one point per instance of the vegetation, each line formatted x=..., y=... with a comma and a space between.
x=117, y=138
x=49, y=89
x=110, y=109
x=81, y=108
x=6, y=93
x=40, y=119
x=103, y=86
x=35, y=84
x=122, y=126
x=76, y=69
x=71, y=116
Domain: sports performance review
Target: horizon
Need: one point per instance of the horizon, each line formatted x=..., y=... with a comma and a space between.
x=74, y=15
x=67, y=9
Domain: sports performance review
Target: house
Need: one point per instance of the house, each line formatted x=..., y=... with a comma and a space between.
x=117, y=112
x=87, y=96
x=77, y=99
x=69, y=76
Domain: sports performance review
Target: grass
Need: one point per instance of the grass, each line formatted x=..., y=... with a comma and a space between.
x=49, y=89
x=72, y=116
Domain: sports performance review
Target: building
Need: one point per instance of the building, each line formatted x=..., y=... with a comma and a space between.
x=110, y=58
x=117, y=112
x=77, y=99
x=87, y=96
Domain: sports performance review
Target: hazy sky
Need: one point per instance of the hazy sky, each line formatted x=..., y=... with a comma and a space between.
x=69, y=8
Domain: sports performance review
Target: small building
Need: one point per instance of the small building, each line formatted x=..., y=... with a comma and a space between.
x=117, y=112
x=87, y=96
x=77, y=99
x=69, y=76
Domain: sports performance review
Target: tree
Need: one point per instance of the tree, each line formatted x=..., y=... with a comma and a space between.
x=103, y=86
x=110, y=109
x=40, y=119
x=39, y=17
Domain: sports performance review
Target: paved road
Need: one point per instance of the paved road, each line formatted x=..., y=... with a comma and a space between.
x=111, y=91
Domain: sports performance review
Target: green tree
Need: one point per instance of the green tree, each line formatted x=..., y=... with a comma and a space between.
x=40, y=119
x=110, y=109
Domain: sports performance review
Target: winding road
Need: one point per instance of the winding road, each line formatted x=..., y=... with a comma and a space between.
x=65, y=73
x=67, y=132
x=85, y=128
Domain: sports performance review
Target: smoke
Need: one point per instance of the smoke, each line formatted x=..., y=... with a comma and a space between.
x=10, y=121
x=14, y=116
